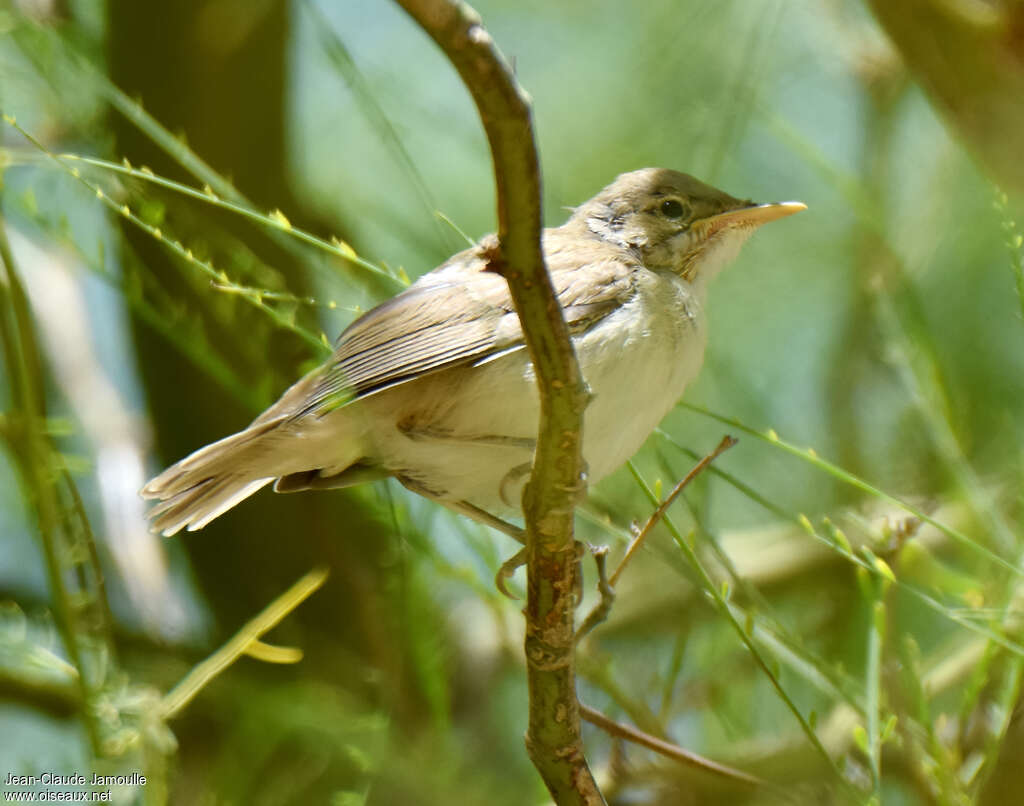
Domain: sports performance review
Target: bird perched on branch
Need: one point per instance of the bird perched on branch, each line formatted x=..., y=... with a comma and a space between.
x=435, y=387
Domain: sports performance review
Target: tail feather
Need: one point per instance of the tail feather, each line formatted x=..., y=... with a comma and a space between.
x=195, y=507
x=210, y=481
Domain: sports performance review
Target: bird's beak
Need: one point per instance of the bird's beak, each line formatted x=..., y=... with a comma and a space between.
x=749, y=217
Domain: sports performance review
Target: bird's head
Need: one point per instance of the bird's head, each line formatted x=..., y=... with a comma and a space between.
x=675, y=222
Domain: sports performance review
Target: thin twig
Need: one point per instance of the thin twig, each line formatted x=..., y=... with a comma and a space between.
x=667, y=749
x=718, y=598
x=858, y=483
x=726, y=443
x=606, y=587
x=604, y=606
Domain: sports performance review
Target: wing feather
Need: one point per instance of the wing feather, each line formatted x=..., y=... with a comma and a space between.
x=459, y=314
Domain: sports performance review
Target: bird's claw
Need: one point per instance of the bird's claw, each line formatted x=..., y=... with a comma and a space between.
x=508, y=568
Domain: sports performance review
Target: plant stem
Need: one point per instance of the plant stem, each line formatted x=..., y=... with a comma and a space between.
x=553, y=736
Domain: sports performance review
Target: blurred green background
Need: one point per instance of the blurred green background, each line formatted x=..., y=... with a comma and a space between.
x=882, y=328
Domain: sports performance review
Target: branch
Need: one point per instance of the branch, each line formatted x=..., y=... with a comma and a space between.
x=553, y=736
x=667, y=749
x=606, y=585
x=726, y=443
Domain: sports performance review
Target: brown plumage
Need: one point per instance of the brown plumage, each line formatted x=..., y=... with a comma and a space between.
x=434, y=386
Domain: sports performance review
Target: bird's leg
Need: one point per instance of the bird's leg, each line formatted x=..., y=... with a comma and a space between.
x=508, y=568
x=507, y=487
x=471, y=511
x=515, y=475
x=438, y=435
x=517, y=533
x=505, y=491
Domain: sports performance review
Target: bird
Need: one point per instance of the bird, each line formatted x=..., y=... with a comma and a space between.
x=435, y=388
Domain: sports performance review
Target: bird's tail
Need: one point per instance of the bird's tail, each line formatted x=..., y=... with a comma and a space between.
x=210, y=481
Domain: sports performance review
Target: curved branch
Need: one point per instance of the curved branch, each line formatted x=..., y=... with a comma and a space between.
x=553, y=737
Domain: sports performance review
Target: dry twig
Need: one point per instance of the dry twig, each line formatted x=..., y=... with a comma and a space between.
x=606, y=586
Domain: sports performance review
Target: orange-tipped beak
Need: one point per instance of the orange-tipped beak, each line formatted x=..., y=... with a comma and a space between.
x=753, y=216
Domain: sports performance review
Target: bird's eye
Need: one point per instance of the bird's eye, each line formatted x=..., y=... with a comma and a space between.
x=672, y=209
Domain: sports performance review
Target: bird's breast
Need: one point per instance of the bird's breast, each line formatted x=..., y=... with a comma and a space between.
x=638, y=361
x=466, y=433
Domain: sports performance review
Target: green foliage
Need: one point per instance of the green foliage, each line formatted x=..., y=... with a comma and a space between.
x=847, y=628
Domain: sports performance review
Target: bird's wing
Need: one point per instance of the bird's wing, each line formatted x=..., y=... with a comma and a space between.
x=460, y=313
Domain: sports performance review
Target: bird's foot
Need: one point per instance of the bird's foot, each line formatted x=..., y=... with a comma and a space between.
x=508, y=568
